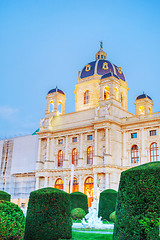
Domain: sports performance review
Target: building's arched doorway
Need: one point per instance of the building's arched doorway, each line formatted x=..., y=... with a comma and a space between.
x=88, y=189
x=59, y=184
x=75, y=187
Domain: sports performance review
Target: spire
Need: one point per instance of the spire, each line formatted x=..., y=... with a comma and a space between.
x=101, y=45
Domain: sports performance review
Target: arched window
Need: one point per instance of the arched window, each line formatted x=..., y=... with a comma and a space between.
x=86, y=97
x=60, y=158
x=51, y=106
x=154, y=152
x=149, y=110
x=74, y=157
x=90, y=155
x=106, y=93
x=116, y=93
x=59, y=108
x=88, y=189
x=141, y=110
x=134, y=154
x=75, y=187
x=59, y=184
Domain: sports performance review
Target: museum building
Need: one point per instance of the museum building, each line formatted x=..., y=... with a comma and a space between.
x=101, y=138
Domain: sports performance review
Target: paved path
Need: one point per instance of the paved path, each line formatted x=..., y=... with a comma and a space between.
x=99, y=232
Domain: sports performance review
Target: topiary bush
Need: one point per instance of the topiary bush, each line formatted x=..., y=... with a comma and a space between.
x=12, y=221
x=112, y=216
x=79, y=200
x=48, y=215
x=78, y=213
x=138, y=203
x=107, y=203
x=5, y=196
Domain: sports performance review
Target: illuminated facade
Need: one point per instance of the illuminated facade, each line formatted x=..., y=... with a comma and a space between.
x=101, y=138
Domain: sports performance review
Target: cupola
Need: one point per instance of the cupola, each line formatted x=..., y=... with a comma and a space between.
x=143, y=104
x=56, y=101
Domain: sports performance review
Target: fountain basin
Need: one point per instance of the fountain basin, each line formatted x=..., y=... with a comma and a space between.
x=103, y=226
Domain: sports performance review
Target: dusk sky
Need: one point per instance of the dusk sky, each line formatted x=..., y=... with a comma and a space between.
x=45, y=43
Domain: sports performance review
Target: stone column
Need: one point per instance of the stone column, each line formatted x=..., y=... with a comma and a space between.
x=80, y=161
x=142, y=159
x=124, y=162
x=107, y=179
x=66, y=148
x=47, y=150
x=95, y=143
x=80, y=184
x=66, y=159
x=106, y=141
x=50, y=182
x=37, y=183
x=95, y=185
x=65, y=184
x=81, y=145
x=46, y=182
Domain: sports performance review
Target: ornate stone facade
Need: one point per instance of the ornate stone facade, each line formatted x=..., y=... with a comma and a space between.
x=101, y=138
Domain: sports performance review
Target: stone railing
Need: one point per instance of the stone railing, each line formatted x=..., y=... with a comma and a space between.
x=141, y=117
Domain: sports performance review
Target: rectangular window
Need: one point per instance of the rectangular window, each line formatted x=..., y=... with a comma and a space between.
x=60, y=141
x=90, y=137
x=134, y=135
x=153, y=133
x=74, y=139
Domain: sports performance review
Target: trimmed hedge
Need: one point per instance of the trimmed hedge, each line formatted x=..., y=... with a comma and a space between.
x=48, y=215
x=12, y=221
x=78, y=213
x=112, y=216
x=138, y=203
x=107, y=203
x=5, y=196
x=79, y=200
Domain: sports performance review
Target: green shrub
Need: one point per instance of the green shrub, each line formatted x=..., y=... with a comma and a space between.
x=78, y=213
x=79, y=200
x=107, y=203
x=138, y=203
x=5, y=196
x=12, y=221
x=48, y=215
x=112, y=216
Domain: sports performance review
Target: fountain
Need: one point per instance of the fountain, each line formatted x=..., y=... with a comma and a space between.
x=91, y=219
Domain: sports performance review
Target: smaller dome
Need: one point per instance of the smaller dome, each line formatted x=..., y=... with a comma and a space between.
x=56, y=90
x=143, y=96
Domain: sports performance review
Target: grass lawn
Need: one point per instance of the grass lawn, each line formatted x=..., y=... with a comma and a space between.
x=90, y=236
x=89, y=229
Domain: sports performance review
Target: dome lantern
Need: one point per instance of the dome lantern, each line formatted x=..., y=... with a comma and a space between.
x=101, y=54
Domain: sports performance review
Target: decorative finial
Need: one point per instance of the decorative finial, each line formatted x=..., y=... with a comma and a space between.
x=101, y=45
x=56, y=88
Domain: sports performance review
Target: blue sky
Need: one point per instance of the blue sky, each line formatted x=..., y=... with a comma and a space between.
x=46, y=43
